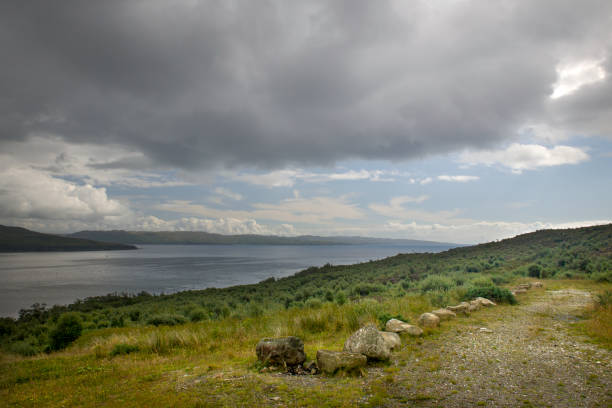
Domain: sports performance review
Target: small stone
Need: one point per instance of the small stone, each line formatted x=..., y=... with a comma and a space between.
x=332, y=362
x=283, y=351
x=429, y=320
x=392, y=339
x=398, y=326
x=369, y=342
x=485, y=302
x=485, y=330
x=444, y=314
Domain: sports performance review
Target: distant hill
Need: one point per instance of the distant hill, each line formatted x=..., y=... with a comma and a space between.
x=198, y=237
x=16, y=239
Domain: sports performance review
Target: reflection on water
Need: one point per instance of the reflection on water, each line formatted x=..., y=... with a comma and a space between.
x=60, y=278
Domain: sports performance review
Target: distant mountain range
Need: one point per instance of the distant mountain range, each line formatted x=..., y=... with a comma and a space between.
x=198, y=237
x=15, y=239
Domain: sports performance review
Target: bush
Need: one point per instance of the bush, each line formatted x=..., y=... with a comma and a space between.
x=436, y=282
x=604, y=299
x=439, y=298
x=23, y=348
x=121, y=349
x=135, y=315
x=384, y=317
x=340, y=298
x=197, y=315
x=534, y=271
x=602, y=276
x=364, y=289
x=314, y=303
x=69, y=328
x=166, y=320
x=492, y=293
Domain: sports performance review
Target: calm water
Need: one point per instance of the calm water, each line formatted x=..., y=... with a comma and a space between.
x=61, y=278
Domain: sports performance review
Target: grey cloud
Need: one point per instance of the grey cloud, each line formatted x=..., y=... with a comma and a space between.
x=198, y=84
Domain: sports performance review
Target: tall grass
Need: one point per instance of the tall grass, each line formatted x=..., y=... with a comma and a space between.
x=328, y=323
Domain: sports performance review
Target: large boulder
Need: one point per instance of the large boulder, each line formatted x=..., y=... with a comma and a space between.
x=525, y=286
x=463, y=307
x=392, y=339
x=519, y=291
x=485, y=302
x=538, y=285
x=429, y=320
x=474, y=305
x=397, y=326
x=444, y=314
x=369, y=342
x=282, y=351
x=332, y=362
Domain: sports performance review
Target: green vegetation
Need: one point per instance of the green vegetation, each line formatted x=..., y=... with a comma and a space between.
x=69, y=328
x=434, y=279
x=15, y=239
x=197, y=348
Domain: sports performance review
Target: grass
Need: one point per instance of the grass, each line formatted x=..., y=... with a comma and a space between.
x=597, y=323
x=209, y=362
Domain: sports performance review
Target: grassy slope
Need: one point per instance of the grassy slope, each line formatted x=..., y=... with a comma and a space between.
x=15, y=239
x=213, y=362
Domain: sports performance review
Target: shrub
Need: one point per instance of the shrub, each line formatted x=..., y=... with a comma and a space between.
x=482, y=281
x=197, y=315
x=122, y=348
x=118, y=321
x=314, y=303
x=166, y=320
x=69, y=328
x=436, y=282
x=439, y=298
x=384, y=317
x=602, y=276
x=604, y=299
x=364, y=289
x=340, y=297
x=135, y=315
x=534, y=271
x=23, y=348
x=490, y=292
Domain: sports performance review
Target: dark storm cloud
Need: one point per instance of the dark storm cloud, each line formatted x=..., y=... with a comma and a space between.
x=203, y=83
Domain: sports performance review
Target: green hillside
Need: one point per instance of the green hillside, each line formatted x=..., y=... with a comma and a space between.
x=443, y=278
x=196, y=348
x=16, y=239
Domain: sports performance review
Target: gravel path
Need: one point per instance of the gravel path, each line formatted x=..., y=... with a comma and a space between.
x=527, y=357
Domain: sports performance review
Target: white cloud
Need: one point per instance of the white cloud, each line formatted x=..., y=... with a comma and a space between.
x=396, y=210
x=317, y=210
x=228, y=193
x=278, y=178
x=458, y=178
x=477, y=232
x=571, y=77
x=27, y=193
x=110, y=165
x=425, y=181
x=519, y=157
x=288, y=177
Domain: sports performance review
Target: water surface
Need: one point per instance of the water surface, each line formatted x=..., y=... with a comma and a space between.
x=62, y=277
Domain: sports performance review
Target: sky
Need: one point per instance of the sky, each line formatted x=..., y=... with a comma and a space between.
x=448, y=120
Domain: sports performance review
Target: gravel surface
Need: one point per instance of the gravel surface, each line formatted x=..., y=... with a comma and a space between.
x=525, y=356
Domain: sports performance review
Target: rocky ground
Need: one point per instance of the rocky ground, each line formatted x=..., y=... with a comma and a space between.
x=526, y=355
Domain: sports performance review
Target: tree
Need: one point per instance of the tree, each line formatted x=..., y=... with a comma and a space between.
x=534, y=271
x=69, y=328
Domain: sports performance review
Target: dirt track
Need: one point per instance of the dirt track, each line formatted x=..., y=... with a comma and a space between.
x=531, y=358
